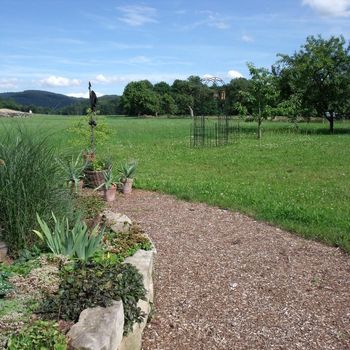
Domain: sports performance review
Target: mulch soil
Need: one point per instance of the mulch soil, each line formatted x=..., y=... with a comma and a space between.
x=225, y=281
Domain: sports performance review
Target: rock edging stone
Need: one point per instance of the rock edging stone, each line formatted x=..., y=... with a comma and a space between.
x=101, y=328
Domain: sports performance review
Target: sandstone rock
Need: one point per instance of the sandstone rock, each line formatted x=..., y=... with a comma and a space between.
x=116, y=221
x=3, y=251
x=143, y=261
x=99, y=328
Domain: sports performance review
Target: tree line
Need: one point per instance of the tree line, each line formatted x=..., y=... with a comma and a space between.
x=313, y=82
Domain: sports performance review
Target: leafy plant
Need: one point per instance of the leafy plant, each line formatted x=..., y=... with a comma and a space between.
x=72, y=242
x=39, y=335
x=85, y=285
x=109, y=180
x=73, y=169
x=5, y=286
x=90, y=206
x=30, y=183
x=98, y=165
x=127, y=170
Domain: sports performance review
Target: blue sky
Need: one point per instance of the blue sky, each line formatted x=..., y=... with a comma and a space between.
x=59, y=45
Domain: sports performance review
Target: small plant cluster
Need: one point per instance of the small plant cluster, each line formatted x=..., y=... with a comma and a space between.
x=5, y=285
x=38, y=335
x=89, y=284
x=76, y=242
x=127, y=243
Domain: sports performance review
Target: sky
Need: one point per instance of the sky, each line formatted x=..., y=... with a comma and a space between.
x=61, y=45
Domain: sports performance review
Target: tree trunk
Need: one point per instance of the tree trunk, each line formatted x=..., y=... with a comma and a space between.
x=259, y=122
x=330, y=117
x=191, y=111
x=331, y=123
x=259, y=129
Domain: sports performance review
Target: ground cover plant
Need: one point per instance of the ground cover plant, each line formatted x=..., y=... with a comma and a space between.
x=297, y=179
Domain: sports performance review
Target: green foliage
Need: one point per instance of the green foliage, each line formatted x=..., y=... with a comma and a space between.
x=98, y=165
x=73, y=168
x=140, y=99
x=76, y=242
x=86, y=285
x=5, y=286
x=30, y=183
x=109, y=179
x=261, y=96
x=41, y=335
x=320, y=74
x=81, y=132
x=90, y=206
x=127, y=170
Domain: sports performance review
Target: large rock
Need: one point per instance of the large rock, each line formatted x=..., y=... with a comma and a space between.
x=3, y=251
x=143, y=261
x=116, y=221
x=99, y=328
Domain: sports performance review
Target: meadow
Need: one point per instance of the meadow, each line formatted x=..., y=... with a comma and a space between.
x=297, y=180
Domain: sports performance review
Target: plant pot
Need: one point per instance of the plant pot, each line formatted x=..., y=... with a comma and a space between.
x=94, y=178
x=127, y=186
x=109, y=194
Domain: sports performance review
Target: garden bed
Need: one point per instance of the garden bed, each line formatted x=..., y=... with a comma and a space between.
x=43, y=296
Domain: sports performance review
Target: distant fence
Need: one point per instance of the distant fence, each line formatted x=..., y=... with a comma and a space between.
x=212, y=132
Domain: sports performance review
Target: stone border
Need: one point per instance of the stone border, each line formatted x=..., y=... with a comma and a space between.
x=102, y=328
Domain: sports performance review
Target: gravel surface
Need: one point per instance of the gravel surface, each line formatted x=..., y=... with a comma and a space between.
x=225, y=281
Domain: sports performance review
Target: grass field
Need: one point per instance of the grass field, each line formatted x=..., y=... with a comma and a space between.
x=298, y=181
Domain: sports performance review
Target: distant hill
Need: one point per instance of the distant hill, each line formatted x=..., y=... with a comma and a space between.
x=40, y=98
x=52, y=103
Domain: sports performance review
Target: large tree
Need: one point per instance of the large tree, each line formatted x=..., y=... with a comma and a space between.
x=320, y=74
x=139, y=98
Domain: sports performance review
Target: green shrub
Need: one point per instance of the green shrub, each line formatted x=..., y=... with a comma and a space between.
x=41, y=335
x=85, y=285
x=30, y=183
x=5, y=286
x=75, y=242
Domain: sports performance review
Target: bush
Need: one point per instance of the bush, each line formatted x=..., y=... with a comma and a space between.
x=30, y=183
x=39, y=335
x=86, y=285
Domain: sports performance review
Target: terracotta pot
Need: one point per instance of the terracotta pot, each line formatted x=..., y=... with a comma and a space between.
x=94, y=178
x=109, y=194
x=127, y=186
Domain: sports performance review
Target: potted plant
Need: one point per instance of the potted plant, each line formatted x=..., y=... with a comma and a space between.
x=109, y=185
x=127, y=173
x=74, y=172
x=94, y=172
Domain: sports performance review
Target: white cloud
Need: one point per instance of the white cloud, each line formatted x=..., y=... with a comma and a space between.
x=54, y=81
x=208, y=76
x=215, y=20
x=140, y=60
x=233, y=74
x=137, y=15
x=247, y=38
x=154, y=78
x=82, y=94
x=335, y=8
x=8, y=83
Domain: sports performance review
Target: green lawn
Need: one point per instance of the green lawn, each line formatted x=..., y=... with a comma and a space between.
x=298, y=181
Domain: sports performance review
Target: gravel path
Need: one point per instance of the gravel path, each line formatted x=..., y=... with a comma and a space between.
x=225, y=281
